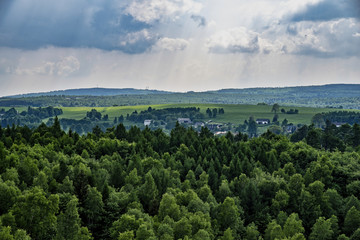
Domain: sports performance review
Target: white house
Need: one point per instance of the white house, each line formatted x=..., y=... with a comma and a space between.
x=147, y=122
x=221, y=133
x=262, y=121
x=339, y=124
x=199, y=124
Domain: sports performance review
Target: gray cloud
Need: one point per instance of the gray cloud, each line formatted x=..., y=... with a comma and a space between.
x=136, y=42
x=327, y=39
x=338, y=38
x=200, y=20
x=7, y=66
x=328, y=10
x=63, y=67
x=150, y=11
x=171, y=44
x=95, y=24
x=236, y=40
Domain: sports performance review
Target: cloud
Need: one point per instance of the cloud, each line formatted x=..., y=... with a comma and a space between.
x=171, y=44
x=338, y=38
x=137, y=42
x=328, y=10
x=6, y=66
x=236, y=40
x=149, y=11
x=63, y=67
x=80, y=24
x=200, y=20
x=329, y=39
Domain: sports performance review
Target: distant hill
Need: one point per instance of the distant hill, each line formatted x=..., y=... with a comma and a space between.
x=324, y=90
x=339, y=90
x=93, y=92
x=334, y=95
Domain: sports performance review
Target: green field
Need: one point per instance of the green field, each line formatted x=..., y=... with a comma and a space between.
x=234, y=113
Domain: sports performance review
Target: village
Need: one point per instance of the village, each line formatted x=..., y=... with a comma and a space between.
x=220, y=129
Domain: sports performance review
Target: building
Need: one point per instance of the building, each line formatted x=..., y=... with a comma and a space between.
x=262, y=121
x=147, y=122
x=199, y=124
x=184, y=120
x=214, y=126
x=339, y=124
x=221, y=133
x=290, y=129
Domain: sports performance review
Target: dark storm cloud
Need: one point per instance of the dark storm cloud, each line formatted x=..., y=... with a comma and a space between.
x=94, y=24
x=328, y=10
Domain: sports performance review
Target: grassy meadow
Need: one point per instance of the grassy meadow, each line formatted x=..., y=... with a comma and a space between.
x=234, y=113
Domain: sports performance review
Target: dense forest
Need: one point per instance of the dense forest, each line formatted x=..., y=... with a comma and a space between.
x=144, y=184
x=340, y=117
x=32, y=117
x=330, y=138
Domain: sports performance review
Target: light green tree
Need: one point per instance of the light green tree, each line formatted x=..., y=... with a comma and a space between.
x=252, y=232
x=227, y=235
x=293, y=225
x=352, y=221
x=229, y=216
x=321, y=230
x=274, y=231
x=35, y=212
x=68, y=225
x=169, y=207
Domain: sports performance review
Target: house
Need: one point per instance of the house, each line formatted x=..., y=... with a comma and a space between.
x=221, y=133
x=290, y=128
x=339, y=124
x=199, y=124
x=147, y=122
x=214, y=126
x=262, y=121
x=184, y=120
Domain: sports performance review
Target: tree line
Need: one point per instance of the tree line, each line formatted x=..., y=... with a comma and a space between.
x=340, y=117
x=32, y=117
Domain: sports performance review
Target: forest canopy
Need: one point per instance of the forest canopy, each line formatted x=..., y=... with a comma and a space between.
x=144, y=184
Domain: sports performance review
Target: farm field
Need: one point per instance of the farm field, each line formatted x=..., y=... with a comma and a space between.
x=234, y=113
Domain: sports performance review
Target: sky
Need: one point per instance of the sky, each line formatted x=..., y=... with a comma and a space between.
x=177, y=45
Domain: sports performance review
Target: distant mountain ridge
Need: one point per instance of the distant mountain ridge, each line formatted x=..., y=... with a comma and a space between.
x=93, y=92
x=332, y=95
x=350, y=89
x=326, y=87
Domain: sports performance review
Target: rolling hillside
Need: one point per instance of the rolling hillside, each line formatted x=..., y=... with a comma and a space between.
x=93, y=92
x=234, y=114
x=345, y=96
